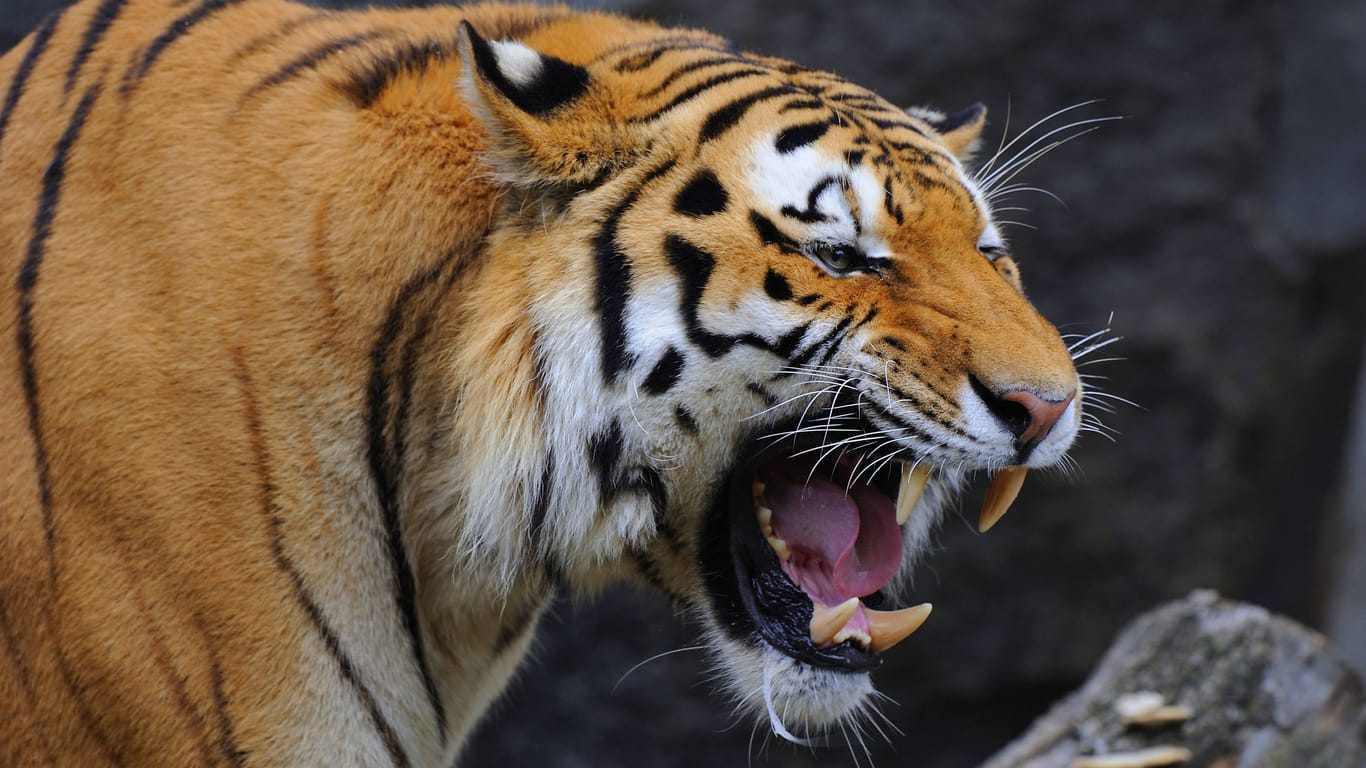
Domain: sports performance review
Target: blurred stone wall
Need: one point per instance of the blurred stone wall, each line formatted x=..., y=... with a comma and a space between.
x=1222, y=223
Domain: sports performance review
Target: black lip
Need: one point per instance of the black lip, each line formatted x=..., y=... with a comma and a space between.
x=751, y=595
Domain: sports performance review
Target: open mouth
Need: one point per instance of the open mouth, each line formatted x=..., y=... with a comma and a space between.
x=803, y=543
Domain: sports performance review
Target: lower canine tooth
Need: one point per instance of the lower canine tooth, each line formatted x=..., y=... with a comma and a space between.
x=891, y=627
x=1005, y=486
x=913, y=481
x=828, y=620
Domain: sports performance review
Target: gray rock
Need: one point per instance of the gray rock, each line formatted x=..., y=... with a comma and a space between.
x=1263, y=691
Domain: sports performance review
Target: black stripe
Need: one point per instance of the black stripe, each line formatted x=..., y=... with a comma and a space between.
x=919, y=154
x=652, y=483
x=868, y=318
x=792, y=139
x=685, y=419
x=901, y=123
x=613, y=292
x=876, y=412
x=27, y=282
x=175, y=31
x=812, y=214
x=614, y=283
x=366, y=86
x=650, y=571
x=776, y=286
x=641, y=54
x=673, y=76
x=788, y=342
x=805, y=356
x=924, y=409
x=16, y=87
x=694, y=267
x=769, y=234
x=809, y=299
x=665, y=374
x=227, y=740
x=727, y=117
x=270, y=508
x=604, y=453
x=703, y=196
x=639, y=61
x=309, y=61
x=104, y=17
x=839, y=330
x=263, y=41
x=540, y=501
x=702, y=87
x=889, y=202
x=386, y=465
x=800, y=104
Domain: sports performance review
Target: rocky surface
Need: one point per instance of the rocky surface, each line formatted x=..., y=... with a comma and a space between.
x=1220, y=222
x=1260, y=691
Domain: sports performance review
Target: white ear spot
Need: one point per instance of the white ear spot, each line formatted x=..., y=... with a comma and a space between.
x=518, y=63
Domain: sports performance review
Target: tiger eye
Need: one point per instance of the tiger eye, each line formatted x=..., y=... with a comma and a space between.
x=838, y=257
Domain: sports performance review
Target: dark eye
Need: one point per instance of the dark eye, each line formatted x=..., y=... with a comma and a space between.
x=840, y=257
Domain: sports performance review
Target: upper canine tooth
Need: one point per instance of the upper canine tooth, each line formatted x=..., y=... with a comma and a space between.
x=913, y=481
x=1005, y=486
x=828, y=620
x=888, y=628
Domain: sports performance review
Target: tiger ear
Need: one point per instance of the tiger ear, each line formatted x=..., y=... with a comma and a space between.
x=548, y=121
x=961, y=131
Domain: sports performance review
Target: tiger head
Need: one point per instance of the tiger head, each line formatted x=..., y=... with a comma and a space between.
x=775, y=327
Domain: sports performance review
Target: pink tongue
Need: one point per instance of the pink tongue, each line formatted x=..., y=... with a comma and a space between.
x=843, y=544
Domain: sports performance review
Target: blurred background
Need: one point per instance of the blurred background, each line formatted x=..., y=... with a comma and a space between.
x=1222, y=223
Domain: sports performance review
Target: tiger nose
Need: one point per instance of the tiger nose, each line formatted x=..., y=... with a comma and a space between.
x=1028, y=416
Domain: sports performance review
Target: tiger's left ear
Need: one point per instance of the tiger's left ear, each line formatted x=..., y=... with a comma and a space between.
x=961, y=131
x=549, y=122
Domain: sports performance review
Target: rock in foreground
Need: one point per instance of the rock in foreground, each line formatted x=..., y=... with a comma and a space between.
x=1221, y=683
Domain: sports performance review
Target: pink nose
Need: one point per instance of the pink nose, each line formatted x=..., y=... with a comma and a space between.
x=1039, y=415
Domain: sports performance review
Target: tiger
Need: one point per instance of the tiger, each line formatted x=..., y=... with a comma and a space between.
x=338, y=343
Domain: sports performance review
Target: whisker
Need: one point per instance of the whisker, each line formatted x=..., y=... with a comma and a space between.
x=653, y=658
x=1026, y=156
x=1006, y=147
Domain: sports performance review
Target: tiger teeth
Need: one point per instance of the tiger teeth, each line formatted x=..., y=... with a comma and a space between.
x=857, y=635
x=765, y=517
x=827, y=621
x=780, y=547
x=913, y=481
x=891, y=627
x=1005, y=486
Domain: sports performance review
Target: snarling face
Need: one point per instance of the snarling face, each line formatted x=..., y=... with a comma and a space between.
x=788, y=326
